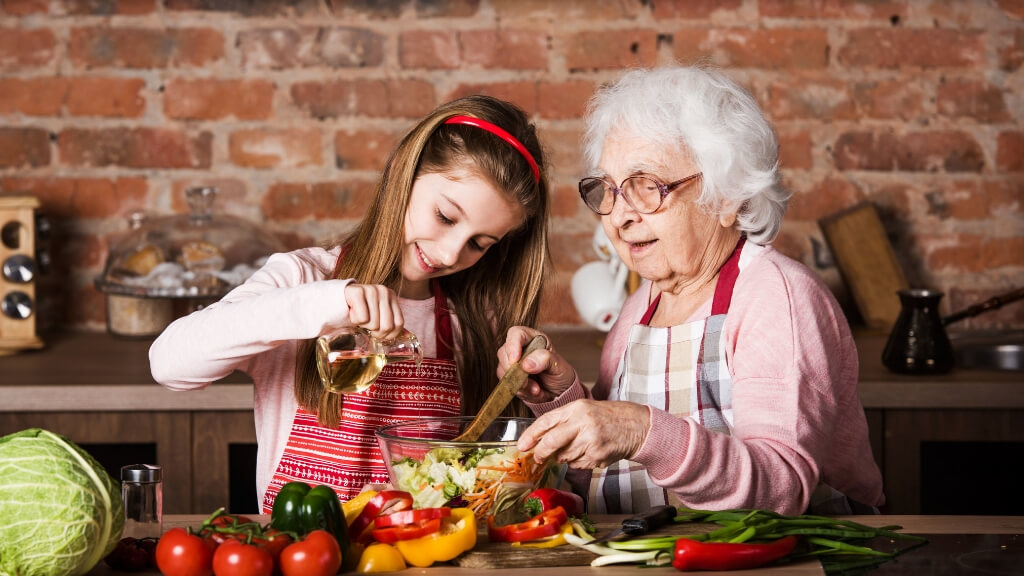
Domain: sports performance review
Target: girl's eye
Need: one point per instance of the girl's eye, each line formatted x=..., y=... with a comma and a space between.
x=443, y=219
x=476, y=246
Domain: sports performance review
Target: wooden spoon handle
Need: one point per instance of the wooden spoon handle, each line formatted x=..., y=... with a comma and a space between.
x=502, y=394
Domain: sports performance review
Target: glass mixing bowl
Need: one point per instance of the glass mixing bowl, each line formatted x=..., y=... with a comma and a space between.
x=489, y=475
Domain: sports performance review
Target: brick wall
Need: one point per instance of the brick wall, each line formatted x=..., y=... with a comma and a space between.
x=108, y=107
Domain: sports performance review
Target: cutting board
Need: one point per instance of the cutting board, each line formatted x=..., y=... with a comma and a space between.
x=487, y=555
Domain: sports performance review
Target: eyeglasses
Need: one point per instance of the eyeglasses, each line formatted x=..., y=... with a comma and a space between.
x=643, y=193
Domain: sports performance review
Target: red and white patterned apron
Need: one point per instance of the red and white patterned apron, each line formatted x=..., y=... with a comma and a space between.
x=347, y=458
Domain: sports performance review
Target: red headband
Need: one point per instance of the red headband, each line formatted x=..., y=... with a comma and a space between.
x=500, y=133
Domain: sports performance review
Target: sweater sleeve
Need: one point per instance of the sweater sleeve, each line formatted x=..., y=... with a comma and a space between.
x=794, y=369
x=287, y=299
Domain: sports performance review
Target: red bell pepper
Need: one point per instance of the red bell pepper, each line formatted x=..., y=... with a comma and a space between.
x=546, y=523
x=384, y=503
x=694, y=555
x=544, y=499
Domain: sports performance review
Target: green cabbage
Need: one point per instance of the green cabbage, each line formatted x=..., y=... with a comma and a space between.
x=60, y=512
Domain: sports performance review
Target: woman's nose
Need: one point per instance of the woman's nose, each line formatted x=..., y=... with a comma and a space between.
x=622, y=213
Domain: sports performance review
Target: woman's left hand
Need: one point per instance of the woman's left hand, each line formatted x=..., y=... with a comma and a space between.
x=588, y=434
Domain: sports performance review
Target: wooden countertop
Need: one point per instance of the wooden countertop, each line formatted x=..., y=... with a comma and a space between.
x=98, y=372
x=912, y=524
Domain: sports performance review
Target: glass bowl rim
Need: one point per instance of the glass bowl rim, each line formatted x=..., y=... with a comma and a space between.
x=383, y=432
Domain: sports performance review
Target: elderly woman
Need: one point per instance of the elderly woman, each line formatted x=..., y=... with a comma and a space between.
x=730, y=377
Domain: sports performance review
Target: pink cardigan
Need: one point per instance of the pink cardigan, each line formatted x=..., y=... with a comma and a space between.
x=798, y=418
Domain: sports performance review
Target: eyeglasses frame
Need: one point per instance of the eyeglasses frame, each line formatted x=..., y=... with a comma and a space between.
x=663, y=189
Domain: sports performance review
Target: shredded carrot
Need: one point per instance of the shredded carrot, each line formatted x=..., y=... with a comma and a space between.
x=522, y=469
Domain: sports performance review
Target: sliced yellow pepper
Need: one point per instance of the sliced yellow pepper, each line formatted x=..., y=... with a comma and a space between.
x=457, y=534
x=380, y=558
x=355, y=506
x=549, y=542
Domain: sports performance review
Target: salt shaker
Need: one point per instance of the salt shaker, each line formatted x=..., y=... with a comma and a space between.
x=142, y=493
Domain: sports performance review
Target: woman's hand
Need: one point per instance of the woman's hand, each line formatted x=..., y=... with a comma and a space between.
x=550, y=373
x=375, y=308
x=588, y=434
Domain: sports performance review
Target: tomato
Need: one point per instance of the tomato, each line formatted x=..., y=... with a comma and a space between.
x=381, y=558
x=317, y=555
x=235, y=558
x=411, y=516
x=179, y=553
x=274, y=542
x=392, y=534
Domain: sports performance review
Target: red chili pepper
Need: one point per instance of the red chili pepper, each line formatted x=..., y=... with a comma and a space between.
x=544, y=524
x=694, y=555
x=544, y=499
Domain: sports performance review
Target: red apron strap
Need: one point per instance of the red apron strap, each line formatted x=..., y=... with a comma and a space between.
x=442, y=323
x=727, y=280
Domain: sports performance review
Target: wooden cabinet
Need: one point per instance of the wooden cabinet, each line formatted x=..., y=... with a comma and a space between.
x=942, y=442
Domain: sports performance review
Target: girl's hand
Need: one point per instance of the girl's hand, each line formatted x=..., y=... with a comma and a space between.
x=588, y=434
x=375, y=308
x=550, y=373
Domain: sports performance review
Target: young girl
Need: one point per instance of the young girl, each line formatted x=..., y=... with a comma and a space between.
x=453, y=249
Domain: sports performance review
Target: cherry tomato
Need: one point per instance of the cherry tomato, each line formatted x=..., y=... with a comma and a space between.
x=179, y=553
x=411, y=516
x=392, y=534
x=234, y=558
x=317, y=555
x=381, y=558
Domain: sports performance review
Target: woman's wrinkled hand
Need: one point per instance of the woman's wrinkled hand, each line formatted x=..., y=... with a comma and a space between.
x=588, y=434
x=550, y=374
x=375, y=308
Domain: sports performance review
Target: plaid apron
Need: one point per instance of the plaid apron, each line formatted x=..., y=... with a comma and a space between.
x=679, y=369
x=347, y=458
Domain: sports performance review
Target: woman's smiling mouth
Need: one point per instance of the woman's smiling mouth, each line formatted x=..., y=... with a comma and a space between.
x=424, y=262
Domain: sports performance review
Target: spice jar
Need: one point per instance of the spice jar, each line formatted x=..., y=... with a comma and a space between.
x=142, y=493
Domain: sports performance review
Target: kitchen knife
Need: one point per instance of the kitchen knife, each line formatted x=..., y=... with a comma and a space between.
x=641, y=523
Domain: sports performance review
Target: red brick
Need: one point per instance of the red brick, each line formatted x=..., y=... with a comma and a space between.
x=1013, y=8
x=374, y=9
x=690, y=46
x=556, y=305
x=24, y=147
x=512, y=49
x=83, y=198
x=889, y=99
x=33, y=96
x=801, y=97
x=275, y=148
x=603, y=50
x=289, y=9
x=949, y=151
x=972, y=253
x=22, y=49
x=801, y=48
x=822, y=199
x=568, y=10
x=565, y=201
x=80, y=7
x=1011, y=50
x=282, y=48
x=447, y=8
x=145, y=48
x=24, y=7
x=795, y=149
x=135, y=148
x=832, y=9
x=979, y=101
x=214, y=99
x=345, y=200
x=906, y=48
x=1010, y=154
x=430, y=49
x=375, y=98
x=693, y=9
x=522, y=94
x=980, y=200
x=563, y=154
x=232, y=197
x=109, y=97
x=363, y=149
x=560, y=100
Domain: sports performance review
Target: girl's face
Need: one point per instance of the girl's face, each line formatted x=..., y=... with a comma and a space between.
x=454, y=217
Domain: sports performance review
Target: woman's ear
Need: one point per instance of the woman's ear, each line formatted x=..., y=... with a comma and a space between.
x=727, y=219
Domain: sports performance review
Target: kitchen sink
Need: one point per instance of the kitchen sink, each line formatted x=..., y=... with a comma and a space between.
x=997, y=350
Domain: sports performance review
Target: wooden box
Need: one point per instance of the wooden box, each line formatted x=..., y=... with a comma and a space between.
x=18, y=274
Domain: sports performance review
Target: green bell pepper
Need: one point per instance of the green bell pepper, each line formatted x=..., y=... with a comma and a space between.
x=301, y=509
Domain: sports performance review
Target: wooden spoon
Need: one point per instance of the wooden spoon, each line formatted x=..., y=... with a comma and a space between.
x=502, y=394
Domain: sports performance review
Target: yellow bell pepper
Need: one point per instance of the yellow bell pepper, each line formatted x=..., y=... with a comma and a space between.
x=354, y=507
x=380, y=558
x=457, y=534
x=549, y=542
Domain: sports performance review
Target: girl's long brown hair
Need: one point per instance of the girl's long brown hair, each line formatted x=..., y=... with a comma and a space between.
x=500, y=291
